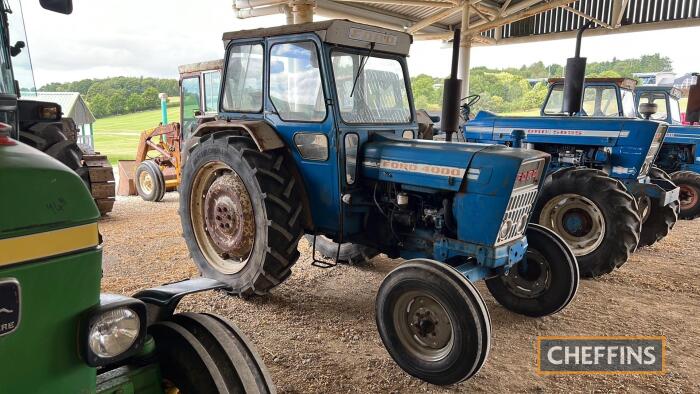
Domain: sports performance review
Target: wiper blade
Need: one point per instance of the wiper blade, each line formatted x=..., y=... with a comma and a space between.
x=362, y=66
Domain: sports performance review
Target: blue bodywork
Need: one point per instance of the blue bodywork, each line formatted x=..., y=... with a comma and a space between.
x=405, y=197
x=681, y=148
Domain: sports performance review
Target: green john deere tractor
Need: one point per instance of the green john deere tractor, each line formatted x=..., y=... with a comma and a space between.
x=58, y=333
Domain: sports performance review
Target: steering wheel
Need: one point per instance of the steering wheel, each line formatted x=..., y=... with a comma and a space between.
x=466, y=108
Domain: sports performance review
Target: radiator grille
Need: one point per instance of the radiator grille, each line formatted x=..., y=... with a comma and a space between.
x=517, y=214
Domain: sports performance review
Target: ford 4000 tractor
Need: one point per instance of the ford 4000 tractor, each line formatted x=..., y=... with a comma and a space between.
x=315, y=134
x=58, y=333
x=680, y=153
x=602, y=194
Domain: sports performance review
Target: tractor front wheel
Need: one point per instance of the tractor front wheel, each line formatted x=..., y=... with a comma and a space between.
x=594, y=214
x=150, y=183
x=657, y=221
x=199, y=353
x=241, y=213
x=433, y=322
x=689, y=183
x=544, y=282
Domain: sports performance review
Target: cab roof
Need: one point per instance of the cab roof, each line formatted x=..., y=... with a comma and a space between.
x=673, y=91
x=209, y=65
x=336, y=31
x=625, y=83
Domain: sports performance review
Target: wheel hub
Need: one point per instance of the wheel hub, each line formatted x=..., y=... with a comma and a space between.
x=644, y=204
x=146, y=182
x=688, y=196
x=577, y=219
x=228, y=217
x=423, y=326
x=529, y=278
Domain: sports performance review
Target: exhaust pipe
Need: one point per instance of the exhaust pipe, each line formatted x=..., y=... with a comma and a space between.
x=575, y=76
x=450, y=97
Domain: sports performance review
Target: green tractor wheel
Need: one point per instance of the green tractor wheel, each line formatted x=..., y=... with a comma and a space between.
x=200, y=353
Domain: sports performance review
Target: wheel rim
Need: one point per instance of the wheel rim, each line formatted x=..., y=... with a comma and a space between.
x=146, y=182
x=688, y=196
x=530, y=277
x=576, y=219
x=644, y=203
x=222, y=217
x=423, y=326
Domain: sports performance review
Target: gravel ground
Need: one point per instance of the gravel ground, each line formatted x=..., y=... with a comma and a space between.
x=316, y=331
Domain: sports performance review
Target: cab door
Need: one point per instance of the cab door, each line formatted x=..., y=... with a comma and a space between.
x=297, y=104
x=190, y=104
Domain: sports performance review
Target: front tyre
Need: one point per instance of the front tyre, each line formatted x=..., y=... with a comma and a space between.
x=150, y=183
x=241, y=213
x=689, y=183
x=657, y=220
x=594, y=214
x=544, y=282
x=433, y=322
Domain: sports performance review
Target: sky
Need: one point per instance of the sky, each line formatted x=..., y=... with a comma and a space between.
x=151, y=38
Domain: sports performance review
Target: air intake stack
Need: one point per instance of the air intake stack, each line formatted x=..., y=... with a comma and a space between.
x=574, y=77
x=451, y=94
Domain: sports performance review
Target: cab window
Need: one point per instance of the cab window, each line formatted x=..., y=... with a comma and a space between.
x=212, y=82
x=660, y=100
x=243, y=90
x=191, y=99
x=295, y=82
x=555, y=102
x=600, y=101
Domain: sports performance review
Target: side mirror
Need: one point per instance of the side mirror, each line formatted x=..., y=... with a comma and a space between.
x=17, y=48
x=60, y=6
x=647, y=109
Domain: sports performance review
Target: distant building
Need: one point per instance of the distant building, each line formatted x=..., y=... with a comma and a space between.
x=73, y=106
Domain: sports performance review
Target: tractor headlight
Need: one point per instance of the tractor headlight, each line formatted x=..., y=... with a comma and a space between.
x=114, y=330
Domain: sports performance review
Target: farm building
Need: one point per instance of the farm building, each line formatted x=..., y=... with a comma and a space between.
x=74, y=107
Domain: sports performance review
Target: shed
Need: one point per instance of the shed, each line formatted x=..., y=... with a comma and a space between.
x=73, y=106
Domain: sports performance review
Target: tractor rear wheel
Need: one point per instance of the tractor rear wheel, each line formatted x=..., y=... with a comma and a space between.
x=349, y=253
x=594, y=214
x=657, y=221
x=544, y=282
x=150, y=183
x=200, y=353
x=689, y=183
x=433, y=322
x=241, y=213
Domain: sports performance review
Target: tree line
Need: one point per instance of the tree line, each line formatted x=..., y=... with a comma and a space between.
x=118, y=95
x=521, y=89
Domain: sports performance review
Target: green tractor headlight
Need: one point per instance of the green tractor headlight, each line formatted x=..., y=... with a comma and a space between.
x=114, y=330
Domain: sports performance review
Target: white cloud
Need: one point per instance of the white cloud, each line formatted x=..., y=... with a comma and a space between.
x=151, y=38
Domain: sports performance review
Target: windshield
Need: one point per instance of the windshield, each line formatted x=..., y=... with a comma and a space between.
x=658, y=98
x=21, y=62
x=380, y=94
x=555, y=101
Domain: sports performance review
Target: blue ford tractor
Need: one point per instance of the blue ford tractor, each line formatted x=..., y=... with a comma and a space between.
x=680, y=153
x=602, y=193
x=316, y=134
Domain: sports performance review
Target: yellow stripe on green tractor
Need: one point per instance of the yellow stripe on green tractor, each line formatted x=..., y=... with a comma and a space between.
x=47, y=244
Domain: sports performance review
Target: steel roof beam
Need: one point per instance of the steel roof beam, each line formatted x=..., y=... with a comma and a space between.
x=416, y=3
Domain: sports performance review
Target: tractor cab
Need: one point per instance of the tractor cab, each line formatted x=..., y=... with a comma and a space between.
x=199, y=94
x=667, y=100
x=602, y=97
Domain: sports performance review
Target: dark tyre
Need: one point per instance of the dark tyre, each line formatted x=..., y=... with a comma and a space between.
x=544, y=282
x=657, y=221
x=433, y=322
x=68, y=153
x=349, y=253
x=594, y=214
x=689, y=183
x=42, y=136
x=206, y=354
x=150, y=183
x=241, y=213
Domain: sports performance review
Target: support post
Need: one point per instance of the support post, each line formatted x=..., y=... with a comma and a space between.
x=464, y=50
x=303, y=11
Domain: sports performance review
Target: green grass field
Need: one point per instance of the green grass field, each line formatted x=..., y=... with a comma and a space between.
x=117, y=136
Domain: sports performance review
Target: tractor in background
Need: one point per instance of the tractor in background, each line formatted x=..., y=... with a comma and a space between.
x=603, y=194
x=158, y=164
x=41, y=124
x=680, y=153
x=58, y=333
x=316, y=134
